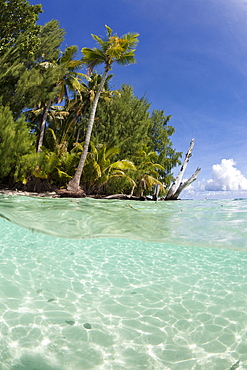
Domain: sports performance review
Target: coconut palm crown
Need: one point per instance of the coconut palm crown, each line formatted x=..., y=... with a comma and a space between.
x=111, y=49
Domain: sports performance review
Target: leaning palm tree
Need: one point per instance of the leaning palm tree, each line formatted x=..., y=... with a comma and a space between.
x=111, y=49
x=79, y=106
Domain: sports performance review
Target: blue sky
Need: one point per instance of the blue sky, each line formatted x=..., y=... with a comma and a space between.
x=191, y=62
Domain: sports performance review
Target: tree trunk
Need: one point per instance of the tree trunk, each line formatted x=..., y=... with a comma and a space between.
x=74, y=183
x=156, y=191
x=42, y=127
x=178, y=186
x=78, y=135
x=186, y=183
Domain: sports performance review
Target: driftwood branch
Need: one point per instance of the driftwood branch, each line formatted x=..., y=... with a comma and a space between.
x=123, y=197
x=178, y=186
x=186, y=183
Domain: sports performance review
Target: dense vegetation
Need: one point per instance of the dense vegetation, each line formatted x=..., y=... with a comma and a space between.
x=46, y=105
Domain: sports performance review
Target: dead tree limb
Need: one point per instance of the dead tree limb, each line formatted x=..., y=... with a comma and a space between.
x=186, y=183
x=178, y=186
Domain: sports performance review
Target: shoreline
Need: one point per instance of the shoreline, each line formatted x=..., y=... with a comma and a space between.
x=46, y=194
x=54, y=194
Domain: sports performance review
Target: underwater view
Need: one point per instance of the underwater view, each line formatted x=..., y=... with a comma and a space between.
x=107, y=284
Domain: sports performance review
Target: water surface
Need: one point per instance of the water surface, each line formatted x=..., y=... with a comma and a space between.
x=89, y=284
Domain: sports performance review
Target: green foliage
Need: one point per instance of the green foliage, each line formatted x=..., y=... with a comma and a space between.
x=59, y=78
x=99, y=168
x=147, y=172
x=19, y=42
x=40, y=165
x=80, y=104
x=124, y=121
x=15, y=141
x=159, y=135
x=51, y=166
x=120, y=185
x=67, y=161
x=37, y=85
x=32, y=81
x=111, y=49
x=18, y=25
x=35, y=76
x=50, y=38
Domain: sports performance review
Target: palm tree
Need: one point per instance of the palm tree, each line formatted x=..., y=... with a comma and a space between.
x=79, y=106
x=70, y=79
x=67, y=79
x=112, y=49
x=99, y=168
x=146, y=174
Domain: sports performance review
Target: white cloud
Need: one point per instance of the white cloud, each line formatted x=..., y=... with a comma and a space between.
x=225, y=176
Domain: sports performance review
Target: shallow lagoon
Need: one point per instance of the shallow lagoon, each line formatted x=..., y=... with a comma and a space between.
x=129, y=285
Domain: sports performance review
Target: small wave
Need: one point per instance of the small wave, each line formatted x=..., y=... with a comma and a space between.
x=208, y=223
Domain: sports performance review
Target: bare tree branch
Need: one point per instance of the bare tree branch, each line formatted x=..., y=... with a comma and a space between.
x=186, y=183
x=178, y=186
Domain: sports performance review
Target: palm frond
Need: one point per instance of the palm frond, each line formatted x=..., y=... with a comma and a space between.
x=132, y=38
x=90, y=55
x=74, y=65
x=123, y=165
x=68, y=54
x=113, y=48
x=108, y=31
x=98, y=39
x=126, y=59
x=62, y=174
x=97, y=169
x=109, y=152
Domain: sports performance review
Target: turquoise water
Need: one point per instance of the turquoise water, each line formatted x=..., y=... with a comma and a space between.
x=90, y=284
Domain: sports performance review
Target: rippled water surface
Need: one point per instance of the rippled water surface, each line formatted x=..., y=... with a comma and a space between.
x=89, y=284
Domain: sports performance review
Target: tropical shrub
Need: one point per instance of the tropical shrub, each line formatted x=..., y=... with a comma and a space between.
x=99, y=169
x=15, y=141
